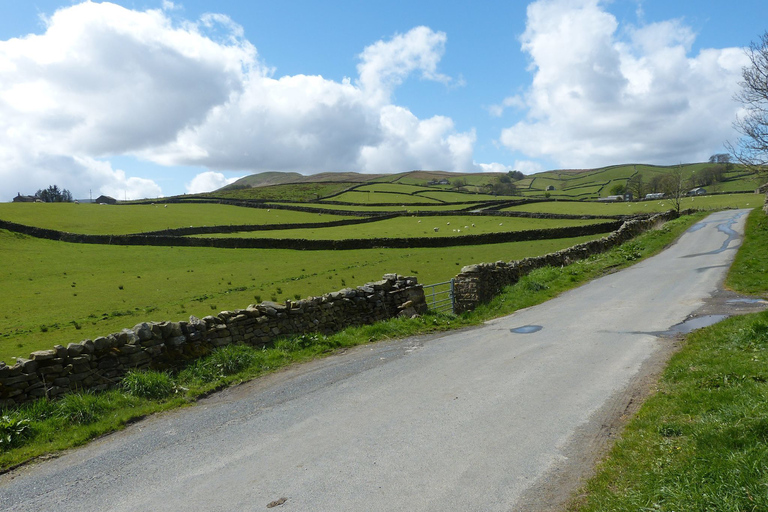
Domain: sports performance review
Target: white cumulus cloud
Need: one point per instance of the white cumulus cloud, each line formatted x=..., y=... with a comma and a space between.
x=104, y=81
x=598, y=98
x=208, y=181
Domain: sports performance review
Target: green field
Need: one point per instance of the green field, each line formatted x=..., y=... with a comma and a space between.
x=437, y=207
x=362, y=197
x=57, y=293
x=716, y=202
x=593, y=183
x=289, y=192
x=124, y=219
x=407, y=227
x=458, y=197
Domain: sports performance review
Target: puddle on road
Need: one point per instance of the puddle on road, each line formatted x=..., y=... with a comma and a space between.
x=694, y=323
x=687, y=326
x=526, y=329
x=746, y=301
x=723, y=227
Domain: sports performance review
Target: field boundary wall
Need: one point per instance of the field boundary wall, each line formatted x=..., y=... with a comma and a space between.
x=98, y=364
x=318, y=245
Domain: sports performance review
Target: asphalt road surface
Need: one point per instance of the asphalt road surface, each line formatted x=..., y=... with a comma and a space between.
x=474, y=420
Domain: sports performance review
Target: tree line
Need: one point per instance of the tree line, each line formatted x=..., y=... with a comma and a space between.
x=54, y=194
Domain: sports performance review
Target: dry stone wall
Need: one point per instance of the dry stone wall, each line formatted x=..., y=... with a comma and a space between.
x=101, y=363
x=477, y=284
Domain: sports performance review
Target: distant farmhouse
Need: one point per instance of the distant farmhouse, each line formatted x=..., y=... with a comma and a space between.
x=655, y=195
x=615, y=199
x=105, y=200
x=24, y=199
x=441, y=182
x=697, y=191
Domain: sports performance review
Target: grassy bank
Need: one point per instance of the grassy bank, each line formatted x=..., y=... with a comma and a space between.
x=701, y=441
x=45, y=426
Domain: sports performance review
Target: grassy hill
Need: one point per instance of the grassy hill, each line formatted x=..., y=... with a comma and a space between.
x=575, y=184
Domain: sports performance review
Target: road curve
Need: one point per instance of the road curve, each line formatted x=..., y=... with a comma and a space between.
x=464, y=421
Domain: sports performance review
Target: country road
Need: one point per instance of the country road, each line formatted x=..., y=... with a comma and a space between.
x=492, y=418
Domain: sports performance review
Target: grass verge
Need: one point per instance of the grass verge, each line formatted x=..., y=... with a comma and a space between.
x=49, y=426
x=701, y=441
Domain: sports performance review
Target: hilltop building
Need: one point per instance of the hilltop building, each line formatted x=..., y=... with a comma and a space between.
x=105, y=200
x=24, y=199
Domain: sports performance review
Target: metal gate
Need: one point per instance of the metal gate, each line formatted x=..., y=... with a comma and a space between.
x=439, y=296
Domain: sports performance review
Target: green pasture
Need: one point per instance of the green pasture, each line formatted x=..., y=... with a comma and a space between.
x=437, y=207
x=716, y=202
x=57, y=293
x=407, y=227
x=598, y=182
x=124, y=219
x=399, y=188
x=359, y=197
x=459, y=197
x=287, y=192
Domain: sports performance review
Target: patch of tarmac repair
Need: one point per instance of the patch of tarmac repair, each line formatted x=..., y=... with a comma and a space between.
x=558, y=487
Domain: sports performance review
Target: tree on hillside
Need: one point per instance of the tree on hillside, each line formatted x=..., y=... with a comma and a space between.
x=673, y=185
x=618, y=189
x=459, y=183
x=752, y=148
x=53, y=194
x=720, y=158
x=656, y=183
x=502, y=186
x=515, y=175
x=636, y=185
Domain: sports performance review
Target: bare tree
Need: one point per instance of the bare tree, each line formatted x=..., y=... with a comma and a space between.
x=752, y=147
x=674, y=188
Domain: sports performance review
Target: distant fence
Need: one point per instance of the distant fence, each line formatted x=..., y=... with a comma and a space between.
x=440, y=296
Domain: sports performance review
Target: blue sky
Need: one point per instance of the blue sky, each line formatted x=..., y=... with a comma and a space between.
x=148, y=98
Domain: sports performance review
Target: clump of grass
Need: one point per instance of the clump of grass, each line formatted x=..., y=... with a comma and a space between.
x=221, y=363
x=257, y=298
x=149, y=384
x=80, y=408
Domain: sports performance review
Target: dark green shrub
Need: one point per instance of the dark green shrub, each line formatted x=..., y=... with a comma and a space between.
x=13, y=430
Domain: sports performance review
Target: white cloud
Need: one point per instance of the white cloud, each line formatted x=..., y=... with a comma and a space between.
x=510, y=101
x=208, y=181
x=104, y=81
x=528, y=166
x=596, y=99
x=493, y=167
x=385, y=64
